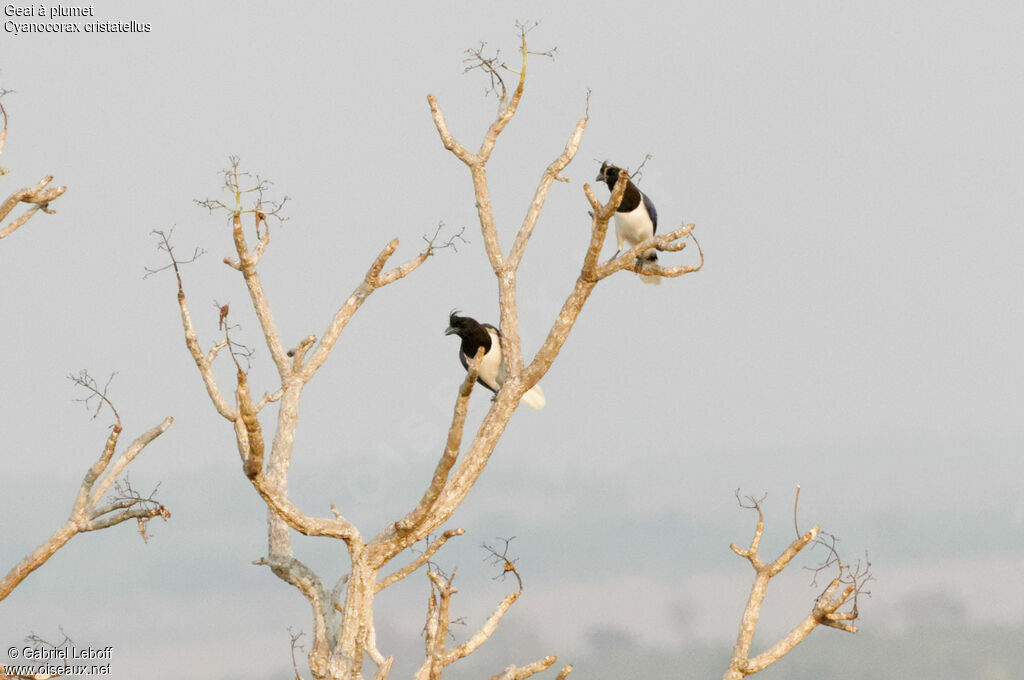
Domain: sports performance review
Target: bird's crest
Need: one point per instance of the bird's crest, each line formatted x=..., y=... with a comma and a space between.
x=609, y=173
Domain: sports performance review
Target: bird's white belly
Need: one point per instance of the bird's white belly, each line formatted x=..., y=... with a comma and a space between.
x=491, y=368
x=632, y=227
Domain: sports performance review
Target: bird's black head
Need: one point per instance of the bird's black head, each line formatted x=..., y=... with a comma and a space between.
x=609, y=174
x=474, y=335
x=459, y=325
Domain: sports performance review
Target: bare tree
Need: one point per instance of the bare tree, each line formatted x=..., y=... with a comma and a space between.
x=343, y=621
x=343, y=616
x=90, y=511
x=843, y=588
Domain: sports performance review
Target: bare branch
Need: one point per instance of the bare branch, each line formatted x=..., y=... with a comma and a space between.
x=296, y=519
x=165, y=245
x=129, y=454
x=373, y=280
x=420, y=560
x=384, y=669
x=506, y=110
x=203, y=362
x=38, y=197
x=132, y=505
x=502, y=559
x=345, y=632
x=300, y=576
x=257, y=295
x=450, y=243
x=444, y=465
x=600, y=216
x=447, y=138
x=240, y=184
x=478, y=161
x=552, y=173
x=295, y=643
x=252, y=456
x=491, y=66
x=86, y=381
x=86, y=514
x=513, y=673
x=484, y=633
x=240, y=353
x=439, y=622
x=857, y=575
x=671, y=242
x=269, y=398
x=825, y=610
x=585, y=283
x=638, y=173
x=298, y=353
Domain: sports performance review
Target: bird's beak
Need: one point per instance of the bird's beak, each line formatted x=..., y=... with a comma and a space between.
x=600, y=177
x=450, y=330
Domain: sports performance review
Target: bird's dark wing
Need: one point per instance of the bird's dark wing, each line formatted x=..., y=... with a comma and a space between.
x=481, y=381
x=649, y=204
x=462, y=358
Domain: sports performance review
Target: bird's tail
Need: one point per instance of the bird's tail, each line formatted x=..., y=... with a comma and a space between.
x=652, y=257
x=534, y=398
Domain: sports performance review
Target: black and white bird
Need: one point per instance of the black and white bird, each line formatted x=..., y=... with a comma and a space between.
x=492, y=370
x=636, y=219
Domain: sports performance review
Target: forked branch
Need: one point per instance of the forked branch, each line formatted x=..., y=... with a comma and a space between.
x=87, y=514
x=420, y=560
x=826, y=609
x=523, y=672
x=344, y=634
x=671, y=242
x=204, y=362
x=438, y=655
x=506, y=268
x=343, y=629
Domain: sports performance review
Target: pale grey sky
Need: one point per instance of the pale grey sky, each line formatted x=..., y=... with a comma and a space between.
x=854, y=171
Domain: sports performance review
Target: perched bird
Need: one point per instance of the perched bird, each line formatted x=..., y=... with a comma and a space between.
x=491, y=373
x=635, y=220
